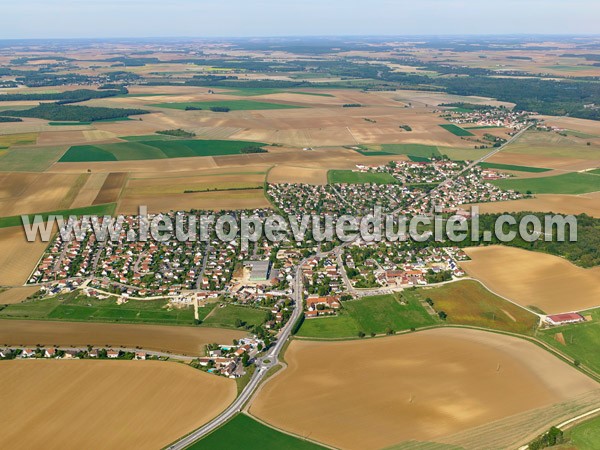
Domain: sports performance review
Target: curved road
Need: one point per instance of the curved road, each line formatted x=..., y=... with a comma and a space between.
x=262, y=367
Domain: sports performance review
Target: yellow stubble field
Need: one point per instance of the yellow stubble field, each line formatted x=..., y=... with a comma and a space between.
x=423, y=386
x=101, y=404
x=556, y=203
x=173, y=339
x=17, y=256
x=529, y=278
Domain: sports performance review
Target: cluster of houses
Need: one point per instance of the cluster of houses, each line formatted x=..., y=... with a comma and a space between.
x=490, y=117
x=472, y=186
x=321, y=306
x=397, y=264
x=230, y=360
x=322, y=274
x=70, y=353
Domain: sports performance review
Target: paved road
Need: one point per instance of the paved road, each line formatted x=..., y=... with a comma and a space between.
x=271, y=359
x=263, y=365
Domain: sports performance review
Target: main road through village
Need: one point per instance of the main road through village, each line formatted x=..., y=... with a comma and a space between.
x=266, y=362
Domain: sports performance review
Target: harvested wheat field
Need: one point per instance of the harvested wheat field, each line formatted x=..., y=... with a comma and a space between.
x=89, y=191
x=295, y=174
x=56, y=404
x=18, y=257
x=547, y=282
x=17, y=294
x=214, y=201
x=173, y=339
x=149, y=165
x=556, y=203
x=111, y=189
x=421, y=386
x=26, y=193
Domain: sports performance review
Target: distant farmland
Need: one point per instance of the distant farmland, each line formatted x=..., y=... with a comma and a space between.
x=456, y=130
x=233, y=105
x=568, y=183
x=154, y=149
x=351, y=177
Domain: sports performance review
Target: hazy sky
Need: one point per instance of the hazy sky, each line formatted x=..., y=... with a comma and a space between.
x=199, y=18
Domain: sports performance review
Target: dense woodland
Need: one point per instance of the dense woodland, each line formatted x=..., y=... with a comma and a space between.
x=53, y=111
x=78, y=95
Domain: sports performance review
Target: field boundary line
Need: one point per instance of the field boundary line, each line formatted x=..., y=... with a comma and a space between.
x=297, y=436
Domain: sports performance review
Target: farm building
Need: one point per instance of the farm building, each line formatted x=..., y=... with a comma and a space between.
x=562, y=319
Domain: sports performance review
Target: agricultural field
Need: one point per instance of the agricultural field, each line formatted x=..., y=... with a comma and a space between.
x=18, y=139
x=552, y=145
x=352, y=177
x=226, y=200
x=29, y=159
x=17, y=256
x=227, y=316
x=469, y=303
x=512, y=167
x=142, y=394
x=479, y=378
x=557, y=203
x=78, y=307
x=181, y=340
x=456, y=130
x=585, y=436
x=25, y=193
x=377, y=314
x=294, y=174
x=568, y=183
x=101, y=210
x=580, y=341
x=254, y=435
x=532, y=279
x=154, y=149
x=233, y=105
x=16, y=294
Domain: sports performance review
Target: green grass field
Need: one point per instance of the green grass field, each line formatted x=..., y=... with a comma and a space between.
x=227, y=316
x=469, y=303
x=29, y=159
x=233, y=105
x=157, y=148
x=417, y=150
x=99, y=210
x=568, y=183
x=487, y=165
x=376, y=314
x=350, y=177
x=425, y=151
x=585, y=436
x=244, y=432
x=582, y=340
x=581, y=134
x=548, y=144
x=456, y=130
x=595, y=171
x=80, y=308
